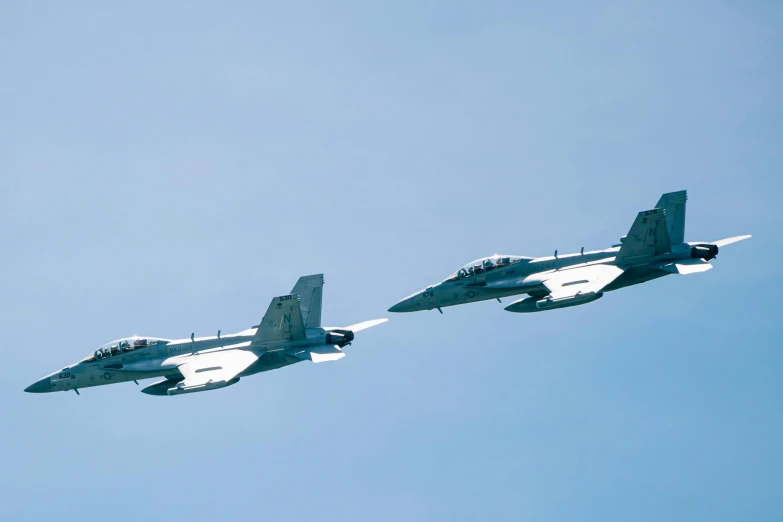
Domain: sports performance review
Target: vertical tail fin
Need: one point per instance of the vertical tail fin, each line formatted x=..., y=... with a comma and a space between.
x=282, y=321
x=647, y=237
x=674, y=204
x=310, y=291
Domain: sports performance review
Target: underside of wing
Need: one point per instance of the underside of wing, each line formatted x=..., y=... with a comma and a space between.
x=212, y=370
x=570, y=287
x=581, y=280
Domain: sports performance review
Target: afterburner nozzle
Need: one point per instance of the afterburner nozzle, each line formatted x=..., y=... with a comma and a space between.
x=706, y=252
x=339, y=337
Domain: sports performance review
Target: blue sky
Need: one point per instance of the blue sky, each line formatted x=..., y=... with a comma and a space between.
x=167, y=169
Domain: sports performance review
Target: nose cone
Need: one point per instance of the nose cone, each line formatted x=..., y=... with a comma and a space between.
x=41, y=386
x=412, y=303
x=400, y=307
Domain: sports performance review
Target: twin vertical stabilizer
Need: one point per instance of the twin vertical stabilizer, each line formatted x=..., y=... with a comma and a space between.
x=310, y=291
x=655, y=231
x=674, y=205
x=647, y=237
x=282, y=321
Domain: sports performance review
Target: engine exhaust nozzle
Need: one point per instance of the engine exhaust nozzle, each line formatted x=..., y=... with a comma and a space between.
x=704, y=252
x=339, y=337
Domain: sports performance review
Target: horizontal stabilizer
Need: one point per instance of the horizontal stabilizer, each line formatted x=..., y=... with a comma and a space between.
x=685, y=267
x=322, y=354
x=730, y=240
x=358, y=327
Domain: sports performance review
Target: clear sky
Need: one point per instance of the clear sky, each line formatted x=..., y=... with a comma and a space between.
x=168, y=167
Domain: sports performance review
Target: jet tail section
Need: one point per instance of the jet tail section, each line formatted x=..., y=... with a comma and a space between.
x=674, y=205
x=648, y=236
x=310, y=291
x=282, y=321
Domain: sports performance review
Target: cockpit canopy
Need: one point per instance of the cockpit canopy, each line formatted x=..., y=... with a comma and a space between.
x=121, y=346
x=484, y=265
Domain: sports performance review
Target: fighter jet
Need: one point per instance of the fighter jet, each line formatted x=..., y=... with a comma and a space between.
x=289, y=333
x=653, y=248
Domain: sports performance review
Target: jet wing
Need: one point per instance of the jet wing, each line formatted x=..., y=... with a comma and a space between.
x=282, y=321
x=213, y=369
x=581, y=280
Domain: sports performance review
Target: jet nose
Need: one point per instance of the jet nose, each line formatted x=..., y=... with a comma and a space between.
x=412, y=303
x=400, y=307
x=41, y=386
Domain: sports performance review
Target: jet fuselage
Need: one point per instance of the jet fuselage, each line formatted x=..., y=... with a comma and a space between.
x=525, y=276
x=161, y=358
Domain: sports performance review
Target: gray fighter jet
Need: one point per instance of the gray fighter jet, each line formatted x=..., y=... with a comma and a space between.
x=653, y=248
x=289, y=333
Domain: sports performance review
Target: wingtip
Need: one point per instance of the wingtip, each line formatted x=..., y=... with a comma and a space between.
x=358, y=327
x=730, y=240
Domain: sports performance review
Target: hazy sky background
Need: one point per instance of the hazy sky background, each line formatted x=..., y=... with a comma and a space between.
x=168, y=167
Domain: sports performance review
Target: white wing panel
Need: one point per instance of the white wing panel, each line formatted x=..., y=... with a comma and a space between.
x=321, y=354
x=685, y=267
x=213, y=369
x=326, y=353
x=581, y=280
